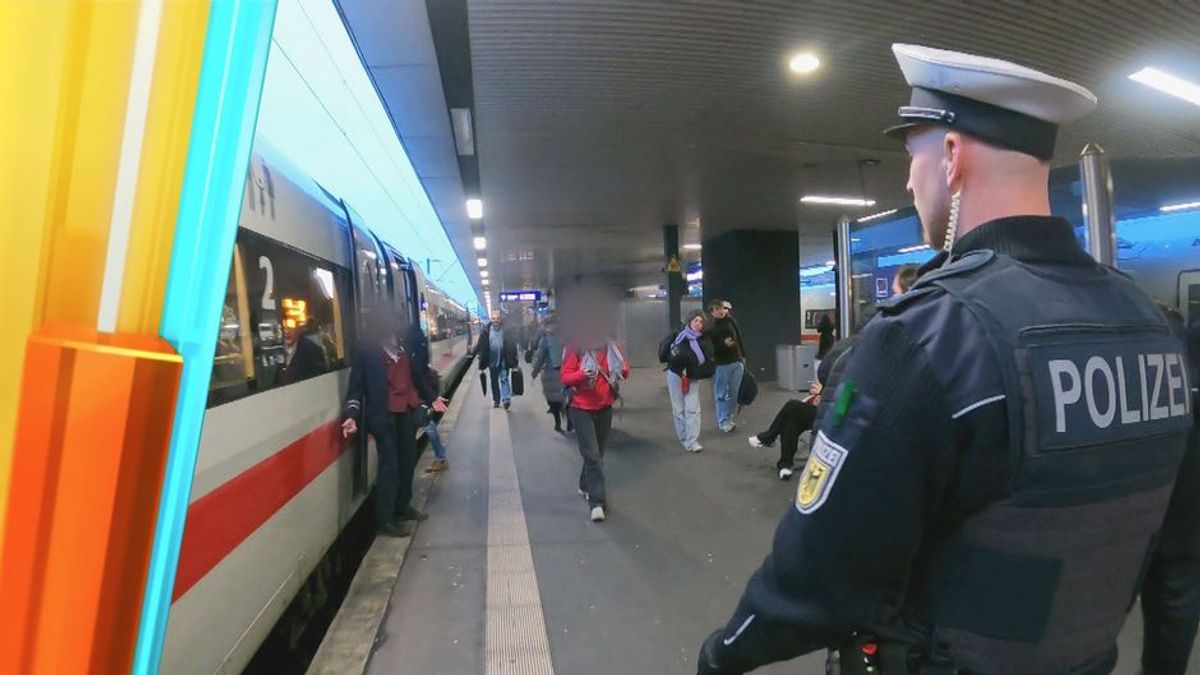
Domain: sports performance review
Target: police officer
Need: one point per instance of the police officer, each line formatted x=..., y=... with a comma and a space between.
x=992, y=465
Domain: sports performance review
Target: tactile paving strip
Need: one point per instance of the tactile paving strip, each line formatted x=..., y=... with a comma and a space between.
x=516, y=640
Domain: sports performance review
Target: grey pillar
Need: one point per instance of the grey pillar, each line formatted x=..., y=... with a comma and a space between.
x=844, y=277
x=757, y=271
x=1096, y=179
x=675, y=282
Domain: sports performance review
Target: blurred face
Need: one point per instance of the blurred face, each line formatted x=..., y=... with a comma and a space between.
x=495, y=318
x=380, y=326
x=927, y=181
x=896, y=290
x=697, y=323
x=719, y=312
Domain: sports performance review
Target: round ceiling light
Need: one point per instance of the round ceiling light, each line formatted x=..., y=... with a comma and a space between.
x=804, y=63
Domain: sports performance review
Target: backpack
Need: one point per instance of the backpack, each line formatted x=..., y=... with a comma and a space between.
x=666, y=348
x=748, y=391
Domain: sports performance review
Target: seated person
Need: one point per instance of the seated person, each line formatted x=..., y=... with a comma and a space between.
x=797, y=416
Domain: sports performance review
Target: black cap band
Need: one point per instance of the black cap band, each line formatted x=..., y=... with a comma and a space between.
x=1003, y=127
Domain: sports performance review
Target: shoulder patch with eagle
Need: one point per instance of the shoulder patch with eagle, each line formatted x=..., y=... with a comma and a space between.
x=820, y=472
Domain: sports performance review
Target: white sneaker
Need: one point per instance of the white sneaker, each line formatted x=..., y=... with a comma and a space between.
x=785, y=474
x=597, y=514
x=696, y=447
x=755, y=443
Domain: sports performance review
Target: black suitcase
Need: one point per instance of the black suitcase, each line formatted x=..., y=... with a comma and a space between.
x=518, y=382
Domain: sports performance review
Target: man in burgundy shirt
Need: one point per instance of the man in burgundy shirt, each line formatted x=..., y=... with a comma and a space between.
x=389, y=382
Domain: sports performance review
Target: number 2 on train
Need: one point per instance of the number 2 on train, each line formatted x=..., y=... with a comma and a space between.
x=268, y=299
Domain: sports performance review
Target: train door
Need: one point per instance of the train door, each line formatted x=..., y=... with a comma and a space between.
x=403, y=284
x=426, y=315
x=370, y=281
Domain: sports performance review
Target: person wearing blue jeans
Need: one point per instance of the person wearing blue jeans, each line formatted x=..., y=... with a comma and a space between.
x=501, y=386
x=689, y=360
x=497, y=352
x=439, y=462
x=730, y=357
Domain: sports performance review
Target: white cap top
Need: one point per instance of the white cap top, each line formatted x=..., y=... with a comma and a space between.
x=995, y=82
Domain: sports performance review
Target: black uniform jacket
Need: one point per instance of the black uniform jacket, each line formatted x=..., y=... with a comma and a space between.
x=927, y=454
x=367, y=395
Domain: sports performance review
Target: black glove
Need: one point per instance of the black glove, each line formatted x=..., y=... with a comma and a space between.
x=707, y=662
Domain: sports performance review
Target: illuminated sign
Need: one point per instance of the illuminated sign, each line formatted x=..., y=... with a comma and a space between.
x=295, y=313
x=520, y=296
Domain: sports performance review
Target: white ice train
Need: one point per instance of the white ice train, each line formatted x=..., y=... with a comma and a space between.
x=275, y=483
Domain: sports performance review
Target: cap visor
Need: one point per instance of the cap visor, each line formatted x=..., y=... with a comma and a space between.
x=900, y=131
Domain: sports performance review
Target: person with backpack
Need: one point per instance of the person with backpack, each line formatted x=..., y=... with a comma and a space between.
x=593, y=368
x=547, y=362
x=730, y=355
x=688, y=355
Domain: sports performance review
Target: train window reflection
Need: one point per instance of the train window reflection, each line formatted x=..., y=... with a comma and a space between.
x=233, y=363
x=287, y=318
x=878, y=249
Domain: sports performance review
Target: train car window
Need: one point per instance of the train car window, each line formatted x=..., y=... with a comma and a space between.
x=878, y=249
x=233, y=363
x=402, y=284
x=428, y=321
x=372, y=277
x=297, y=316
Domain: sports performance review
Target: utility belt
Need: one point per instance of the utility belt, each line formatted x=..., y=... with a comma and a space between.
x=867, y=655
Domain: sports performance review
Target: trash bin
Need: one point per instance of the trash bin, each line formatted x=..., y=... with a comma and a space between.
x=794, y=366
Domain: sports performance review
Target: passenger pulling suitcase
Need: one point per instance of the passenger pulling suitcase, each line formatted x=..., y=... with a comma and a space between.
x=518, y=382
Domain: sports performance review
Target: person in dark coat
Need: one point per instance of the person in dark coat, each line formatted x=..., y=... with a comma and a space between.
x=1171, y=589
x=988, y=482
x=825, y=328
x=689, y=360
x=496, y=353
x=303, y=357
x=729, y=353
x=389, y=382
x=798, y=415
x=547, y=362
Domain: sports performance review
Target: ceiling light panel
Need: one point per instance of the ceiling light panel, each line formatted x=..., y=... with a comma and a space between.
x=836, y=201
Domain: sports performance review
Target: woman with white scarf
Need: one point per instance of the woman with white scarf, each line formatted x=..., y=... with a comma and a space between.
x=691, y=359
x=594, y=374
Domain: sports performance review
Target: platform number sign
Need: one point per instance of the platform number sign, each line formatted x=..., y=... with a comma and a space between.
x=268, y=296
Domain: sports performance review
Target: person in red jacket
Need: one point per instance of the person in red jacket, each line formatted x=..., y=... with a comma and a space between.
x=593, y=375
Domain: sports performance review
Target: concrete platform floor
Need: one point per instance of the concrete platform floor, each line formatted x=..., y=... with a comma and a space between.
x=635, y=594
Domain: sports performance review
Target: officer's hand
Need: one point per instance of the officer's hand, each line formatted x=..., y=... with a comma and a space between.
x=349, y=427
x=439, y=405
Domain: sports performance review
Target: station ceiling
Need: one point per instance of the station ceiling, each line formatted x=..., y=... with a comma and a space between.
x=599, y=121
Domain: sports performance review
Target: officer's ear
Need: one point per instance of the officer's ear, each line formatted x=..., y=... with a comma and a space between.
x=953, y=145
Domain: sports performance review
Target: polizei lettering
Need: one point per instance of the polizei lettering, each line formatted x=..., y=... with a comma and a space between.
x=1117, y=390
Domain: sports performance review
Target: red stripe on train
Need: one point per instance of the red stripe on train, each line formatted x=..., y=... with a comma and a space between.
x=222, y=519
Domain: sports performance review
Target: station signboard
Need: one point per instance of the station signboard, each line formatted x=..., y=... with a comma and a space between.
x=521, y=296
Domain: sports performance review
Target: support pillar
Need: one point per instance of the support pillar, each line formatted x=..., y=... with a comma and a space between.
x=758, y=272
x=675, y=282
x=1096, y=178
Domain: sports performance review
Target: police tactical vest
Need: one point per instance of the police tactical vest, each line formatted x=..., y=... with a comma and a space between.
x=1099, y=407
